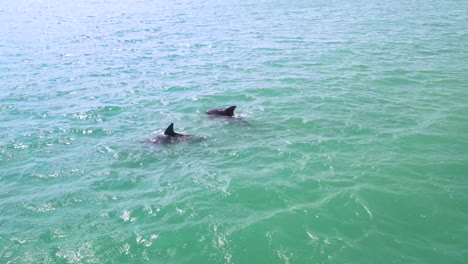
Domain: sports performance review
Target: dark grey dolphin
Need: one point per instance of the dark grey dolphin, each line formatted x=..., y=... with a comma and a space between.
x=172, y=137
x=229, y=112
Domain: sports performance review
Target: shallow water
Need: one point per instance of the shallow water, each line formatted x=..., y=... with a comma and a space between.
x=351, y=145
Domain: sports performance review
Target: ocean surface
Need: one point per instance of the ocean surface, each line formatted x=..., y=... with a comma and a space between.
x=350, y=146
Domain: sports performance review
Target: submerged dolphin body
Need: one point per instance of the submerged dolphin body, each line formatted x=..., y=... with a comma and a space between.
x=172, y=137
x=228, y=112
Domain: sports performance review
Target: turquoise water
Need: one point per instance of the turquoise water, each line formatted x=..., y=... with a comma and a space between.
x=352, y=147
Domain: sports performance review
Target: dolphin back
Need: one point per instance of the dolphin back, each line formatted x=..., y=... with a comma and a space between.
x=222, y=112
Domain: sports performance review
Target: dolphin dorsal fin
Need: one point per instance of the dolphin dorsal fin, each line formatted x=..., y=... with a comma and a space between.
x=170, y=130
x=230, y=110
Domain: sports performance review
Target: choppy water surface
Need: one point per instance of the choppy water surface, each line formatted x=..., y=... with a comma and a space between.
x=352, y=147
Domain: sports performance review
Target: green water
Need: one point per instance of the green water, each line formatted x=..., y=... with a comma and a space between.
x=351, y=148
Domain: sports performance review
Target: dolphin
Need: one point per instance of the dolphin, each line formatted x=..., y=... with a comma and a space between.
x=228, y=112
x=170, y=136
